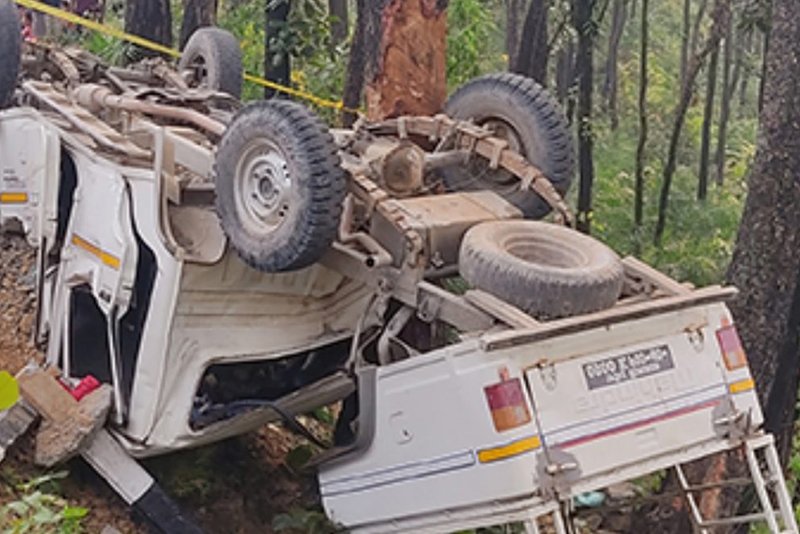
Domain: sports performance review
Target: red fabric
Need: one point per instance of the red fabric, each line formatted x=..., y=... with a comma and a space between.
x=87, y=384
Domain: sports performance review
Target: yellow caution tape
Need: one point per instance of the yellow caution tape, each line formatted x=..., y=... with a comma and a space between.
x=146, y=43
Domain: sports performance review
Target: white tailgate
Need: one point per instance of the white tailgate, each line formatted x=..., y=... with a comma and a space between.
x=626, y=405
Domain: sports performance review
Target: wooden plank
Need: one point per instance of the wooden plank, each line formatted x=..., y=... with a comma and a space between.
x=501, y=310
x=42, y=391
x=608, y=317
x=637, y=269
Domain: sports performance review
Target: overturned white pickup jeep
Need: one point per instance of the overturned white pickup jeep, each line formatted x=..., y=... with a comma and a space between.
x=222, y=266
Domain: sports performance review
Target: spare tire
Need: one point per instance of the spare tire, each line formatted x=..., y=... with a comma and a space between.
x=543, y=269
x=213, y=59
x=10, y=38
x=520, y=111
x=279, y=186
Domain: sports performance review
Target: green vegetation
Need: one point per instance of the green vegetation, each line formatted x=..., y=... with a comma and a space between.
x=37, y=508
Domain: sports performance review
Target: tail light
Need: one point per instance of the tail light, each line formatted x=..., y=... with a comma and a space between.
x=731, y=347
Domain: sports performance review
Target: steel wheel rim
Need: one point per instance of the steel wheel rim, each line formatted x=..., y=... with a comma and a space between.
x=263, y=187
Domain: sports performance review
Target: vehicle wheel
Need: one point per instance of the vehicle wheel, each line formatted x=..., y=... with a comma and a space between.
x=520, y=111
x=544, y=269
x=213, y=58
x=279, y=186
x=10, y=38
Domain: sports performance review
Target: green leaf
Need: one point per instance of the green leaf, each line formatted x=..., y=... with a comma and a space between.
x=18, y=507
x=74, y=512
x=45, y=516
x=9, y=390
x=299, y=457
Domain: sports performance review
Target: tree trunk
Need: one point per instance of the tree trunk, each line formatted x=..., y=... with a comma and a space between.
x=534, y=50
x=766, y=260
x=708, y=118
x=512, y=30
x=150, y=19
x=698, y=21
x=354, y=78
x=728, y=87
x=747, y=71
x=687, y=21
x=643, y=80
x=581, y=20
x=340, y=20
x=196, y=14
x=721, y=19
x=610, y=87
x=277, y=63
x=398, y=57
x=565, y=71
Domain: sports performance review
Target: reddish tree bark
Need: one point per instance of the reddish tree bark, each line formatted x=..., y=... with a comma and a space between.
x=398, y=57
x=411, y=77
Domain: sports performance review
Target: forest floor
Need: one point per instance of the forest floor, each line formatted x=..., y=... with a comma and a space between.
x=234, y=487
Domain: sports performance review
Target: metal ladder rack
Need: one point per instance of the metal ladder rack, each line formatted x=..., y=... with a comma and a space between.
x=780, y=521
x=766, y=477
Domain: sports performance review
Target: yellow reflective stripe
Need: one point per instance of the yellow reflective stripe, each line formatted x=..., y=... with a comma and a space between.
x=512, y=449
x=146, y=43
x=105, y=257
x=742, y=385
x=13, y=198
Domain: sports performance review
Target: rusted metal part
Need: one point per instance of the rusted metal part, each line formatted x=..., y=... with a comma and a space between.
x=396, y=165
x=167, y=74
x=65, y=65
x=376, y=199
x=478, y=141
x=96, y=97
x=101, y=133
x=376, y=255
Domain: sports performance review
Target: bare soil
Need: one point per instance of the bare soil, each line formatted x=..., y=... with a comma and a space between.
x=234, y=487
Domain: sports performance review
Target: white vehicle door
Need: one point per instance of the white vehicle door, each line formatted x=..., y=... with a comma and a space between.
x=29, y=171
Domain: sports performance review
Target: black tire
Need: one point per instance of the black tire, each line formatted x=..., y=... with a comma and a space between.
x=10, y=38
x=544, y=269
x=520, y=110
x=279, y=186
x=214, y=58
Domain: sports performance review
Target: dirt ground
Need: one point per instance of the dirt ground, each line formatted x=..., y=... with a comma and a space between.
x=234, y=487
